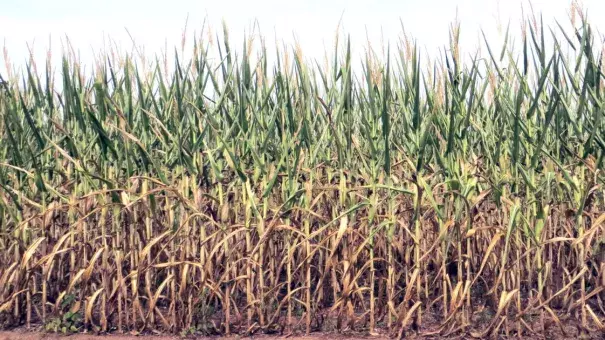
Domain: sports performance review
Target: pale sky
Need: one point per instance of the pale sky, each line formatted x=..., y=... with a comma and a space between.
x=153, y=23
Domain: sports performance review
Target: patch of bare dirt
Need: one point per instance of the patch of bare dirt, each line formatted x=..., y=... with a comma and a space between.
x=36, y=335
x=25, y=335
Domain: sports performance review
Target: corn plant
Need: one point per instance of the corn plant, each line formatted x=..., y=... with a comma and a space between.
x=232, y=195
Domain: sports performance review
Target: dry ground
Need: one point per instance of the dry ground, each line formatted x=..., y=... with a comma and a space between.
x=35, y=335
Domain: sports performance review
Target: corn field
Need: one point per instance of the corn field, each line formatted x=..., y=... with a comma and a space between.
x=231, y=195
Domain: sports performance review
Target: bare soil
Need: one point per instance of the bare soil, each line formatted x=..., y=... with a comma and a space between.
x=24, y=334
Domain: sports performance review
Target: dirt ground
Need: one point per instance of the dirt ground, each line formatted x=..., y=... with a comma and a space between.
x=33, y=335
x=36, y=334
x=22, y=335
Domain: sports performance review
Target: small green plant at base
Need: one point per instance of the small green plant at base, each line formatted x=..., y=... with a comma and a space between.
x=69, y=323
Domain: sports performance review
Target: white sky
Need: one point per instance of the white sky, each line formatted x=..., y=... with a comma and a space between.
x=153, y=23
